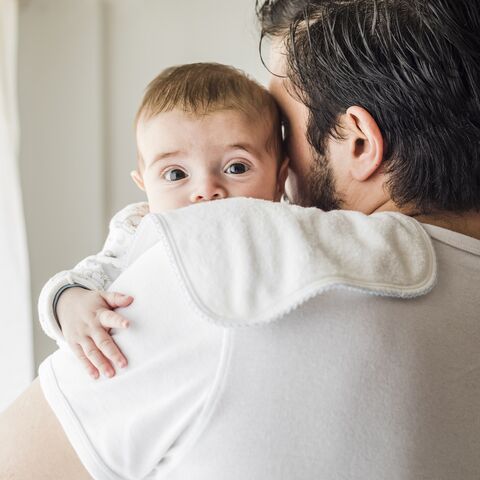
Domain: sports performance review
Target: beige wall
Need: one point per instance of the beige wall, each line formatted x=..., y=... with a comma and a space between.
x=61, y=121
x=83, y=65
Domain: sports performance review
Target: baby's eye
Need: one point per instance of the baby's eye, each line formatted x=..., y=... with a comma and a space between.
x=174, y=175
x=237, y=168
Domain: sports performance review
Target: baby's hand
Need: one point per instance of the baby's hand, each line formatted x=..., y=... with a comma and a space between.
x=86, y=317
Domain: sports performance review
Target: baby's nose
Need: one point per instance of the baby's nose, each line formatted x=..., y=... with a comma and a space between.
x=207, y=192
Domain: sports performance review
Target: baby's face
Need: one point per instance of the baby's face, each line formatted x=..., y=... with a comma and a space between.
x=191, y=158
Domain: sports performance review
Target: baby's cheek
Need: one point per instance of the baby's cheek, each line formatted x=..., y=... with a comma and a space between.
x=166, y=202
x=264, y=189
x=158, y=201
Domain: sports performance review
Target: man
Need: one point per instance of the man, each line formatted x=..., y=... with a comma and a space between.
x=382, y=114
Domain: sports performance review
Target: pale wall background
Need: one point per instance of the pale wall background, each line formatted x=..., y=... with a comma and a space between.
x=83, y=65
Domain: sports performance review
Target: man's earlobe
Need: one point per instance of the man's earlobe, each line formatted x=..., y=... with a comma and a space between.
x=138, y=180
x=366, y=143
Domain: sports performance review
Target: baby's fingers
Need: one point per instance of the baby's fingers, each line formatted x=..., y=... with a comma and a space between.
x=89, y=367
x=98, y=359
x=116, y=299
x=109, y=348
x=111, y=319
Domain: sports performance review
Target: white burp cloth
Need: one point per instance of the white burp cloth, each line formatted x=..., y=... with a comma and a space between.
x=255, y=260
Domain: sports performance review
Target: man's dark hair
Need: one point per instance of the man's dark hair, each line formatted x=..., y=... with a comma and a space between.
x=276, y=16
x=415, y=66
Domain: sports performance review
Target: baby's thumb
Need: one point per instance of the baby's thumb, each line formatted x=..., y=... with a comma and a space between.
x=116, y=299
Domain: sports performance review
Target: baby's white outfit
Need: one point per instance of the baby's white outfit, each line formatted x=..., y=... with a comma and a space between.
x=96, y=272
x=273, y=342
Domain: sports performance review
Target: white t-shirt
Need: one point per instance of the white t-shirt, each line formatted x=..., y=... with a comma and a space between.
x=273, y=342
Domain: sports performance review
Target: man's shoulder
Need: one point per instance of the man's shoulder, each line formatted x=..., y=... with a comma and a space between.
x=244, y=260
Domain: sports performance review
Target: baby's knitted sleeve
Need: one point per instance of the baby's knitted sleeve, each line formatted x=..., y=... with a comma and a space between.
x=96, y=272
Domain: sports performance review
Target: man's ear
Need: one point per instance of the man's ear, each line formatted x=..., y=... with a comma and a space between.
x=366, y=143
x=137, y=178
x=282, y=178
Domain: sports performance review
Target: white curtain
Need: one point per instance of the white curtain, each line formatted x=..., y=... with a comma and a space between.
x=16, y=346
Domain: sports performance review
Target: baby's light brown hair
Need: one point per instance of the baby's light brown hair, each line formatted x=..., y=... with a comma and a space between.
x=205, y=88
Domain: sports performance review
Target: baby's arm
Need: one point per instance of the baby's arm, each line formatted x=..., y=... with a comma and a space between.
x=93, y=276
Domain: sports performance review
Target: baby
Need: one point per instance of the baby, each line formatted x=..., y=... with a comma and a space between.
x=204, y=132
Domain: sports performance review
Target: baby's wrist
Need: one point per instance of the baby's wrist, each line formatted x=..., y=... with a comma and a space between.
x=63, y=293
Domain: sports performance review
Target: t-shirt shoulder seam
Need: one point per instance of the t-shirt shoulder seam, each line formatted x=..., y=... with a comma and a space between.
x=453, y=239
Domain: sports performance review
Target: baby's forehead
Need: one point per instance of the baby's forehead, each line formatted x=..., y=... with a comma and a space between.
x=215, y=132
x=228, y=122
x=247, y=113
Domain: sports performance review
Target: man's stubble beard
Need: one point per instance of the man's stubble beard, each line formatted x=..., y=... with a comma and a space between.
x=318, y=189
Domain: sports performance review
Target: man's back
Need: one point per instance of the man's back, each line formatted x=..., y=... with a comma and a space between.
x=354, y=386
x=367, y=370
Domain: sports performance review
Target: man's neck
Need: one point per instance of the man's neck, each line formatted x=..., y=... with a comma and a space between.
x=467, y=223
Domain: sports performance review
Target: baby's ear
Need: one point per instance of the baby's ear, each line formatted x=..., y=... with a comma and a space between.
x=282, y=178
x=137, y=178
